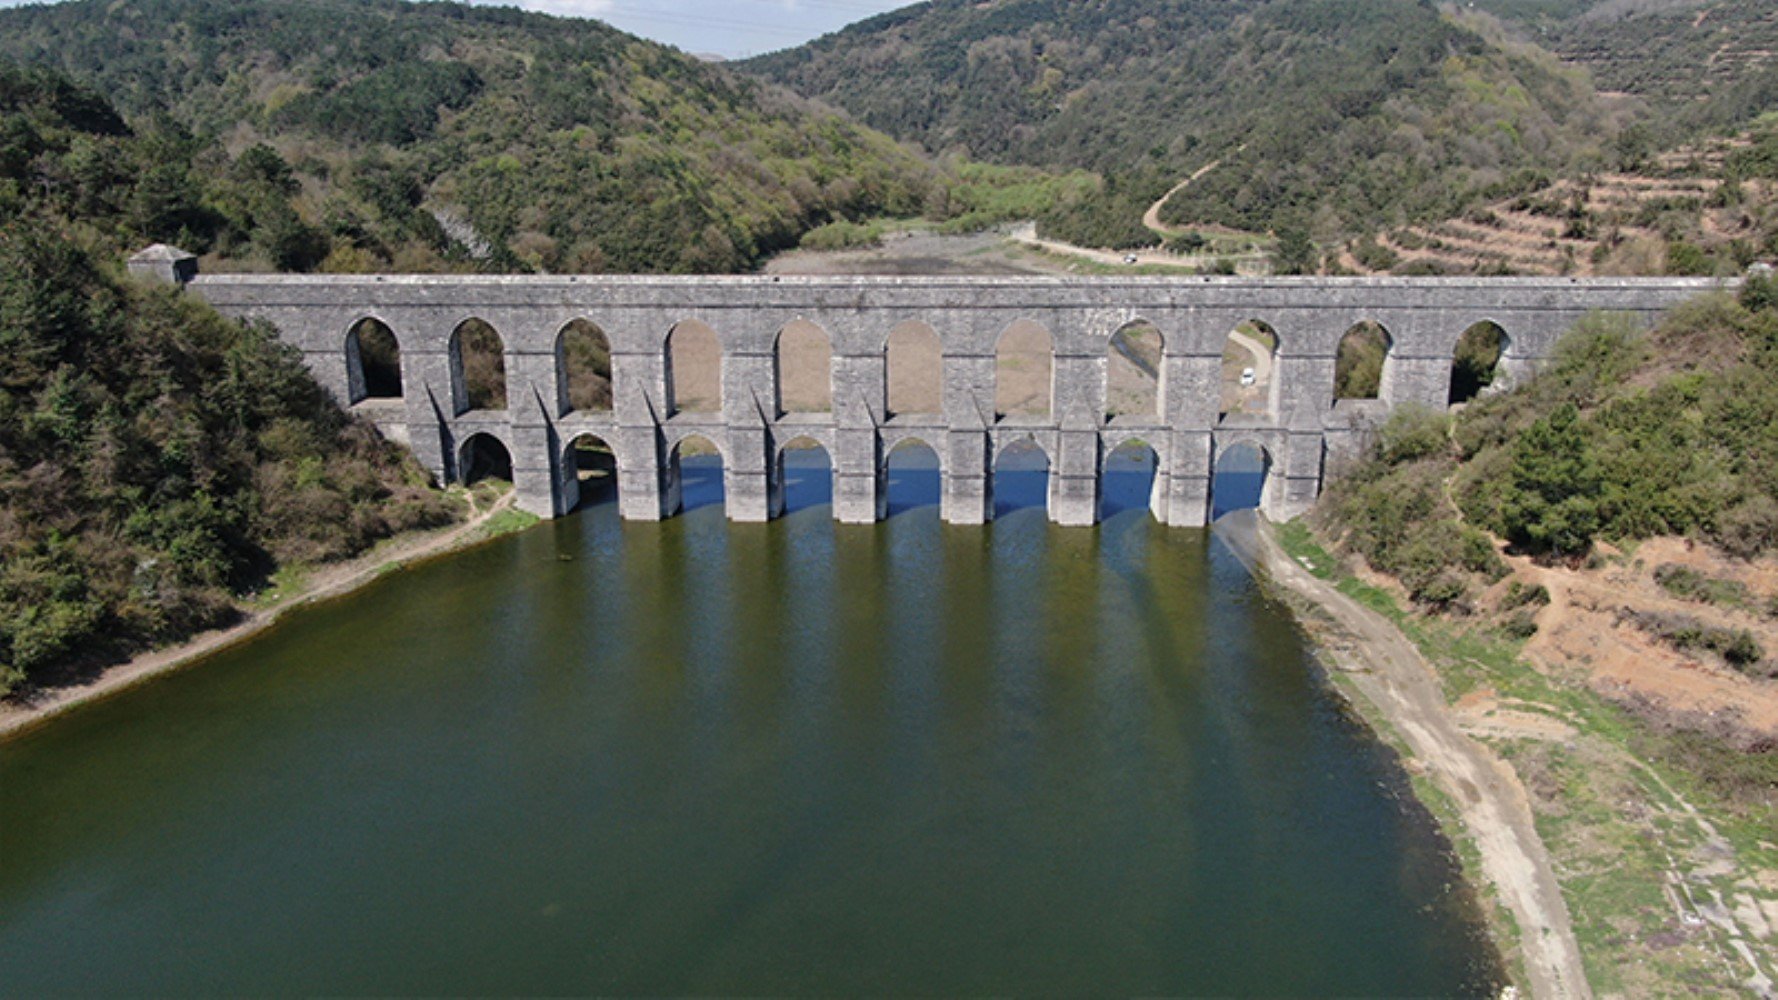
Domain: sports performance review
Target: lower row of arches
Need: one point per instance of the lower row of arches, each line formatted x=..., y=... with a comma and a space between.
x=913, y=477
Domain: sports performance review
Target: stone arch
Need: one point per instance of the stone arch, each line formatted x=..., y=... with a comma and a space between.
x=799, y=486
x=694, y=369
x=583, y=367
x=478, y=366
x=1475, y=362
x=1130, y=477
x=1021, y=476
x=1241, y=477
x=913, y=474
x=1361, y=362
x=373, y=362
x=1251, y=346
x=590, y=465
x=1135, y=369
x=696, y=470
x=914, y=369
x=1024, y=371
x=483, y=455
x=803, y=354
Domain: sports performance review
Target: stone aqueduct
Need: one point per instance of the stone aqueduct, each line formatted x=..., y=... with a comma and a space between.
x=1303, y=432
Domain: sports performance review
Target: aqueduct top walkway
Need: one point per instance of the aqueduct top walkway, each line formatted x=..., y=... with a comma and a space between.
x=1300, y=430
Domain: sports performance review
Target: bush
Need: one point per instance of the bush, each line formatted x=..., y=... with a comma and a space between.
x=1684, y=582
x=1520, y=596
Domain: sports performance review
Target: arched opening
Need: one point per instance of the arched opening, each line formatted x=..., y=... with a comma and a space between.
x=696, y=465
x=1239, y=479
x=1360, y=360
x=1248, y=357
x=805, y=369
x=478, y=358
x=913, y=475
x=483, y=456
x=583, y=366
x=805, y=474
x=1129, y=480
x=1024, y=367
x=694, y=369
x=1476, y=361
x=373, y=362
x=915, y=360
x=593, y=465
x=1133, y=371
x=1021, y=477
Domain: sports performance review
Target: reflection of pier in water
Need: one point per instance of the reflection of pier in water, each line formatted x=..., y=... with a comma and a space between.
x=752, y=400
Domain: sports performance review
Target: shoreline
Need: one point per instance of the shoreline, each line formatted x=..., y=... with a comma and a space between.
x=326, y=582
x=1402, y=696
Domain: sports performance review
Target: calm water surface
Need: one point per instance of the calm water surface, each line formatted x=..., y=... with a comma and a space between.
x=697, y=757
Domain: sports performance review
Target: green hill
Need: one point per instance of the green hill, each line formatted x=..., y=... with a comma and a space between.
x=1709, y=64
x=438, y=135
x=1335, y=115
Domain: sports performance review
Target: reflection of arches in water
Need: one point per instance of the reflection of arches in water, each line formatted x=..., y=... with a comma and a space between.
x=1361, y=361
x=804, y=356
x=912, y=472
x=694, y=369
x=1241, y=476
x=805, y=474
x=696, y=465
x=1477, y=361
x=915, y=369
x=594, y=468
x=1129, y=479
x=373, y=362
x=1024, y=371
x=478, y=360
x=583, y=366
x=483, y=456
x=1021, y=477
x=1133, y=367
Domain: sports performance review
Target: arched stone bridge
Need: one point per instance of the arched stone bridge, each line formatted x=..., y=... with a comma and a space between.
x=1300, y=432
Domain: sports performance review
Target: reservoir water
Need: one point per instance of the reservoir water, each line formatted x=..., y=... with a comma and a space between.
x=696, y=757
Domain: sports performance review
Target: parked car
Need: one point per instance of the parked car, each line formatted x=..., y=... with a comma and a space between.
x=1246, y=376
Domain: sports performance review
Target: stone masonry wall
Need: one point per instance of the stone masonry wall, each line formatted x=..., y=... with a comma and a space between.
x=1301, y=435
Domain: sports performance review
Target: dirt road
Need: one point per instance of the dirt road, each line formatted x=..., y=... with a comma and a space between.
x=1392, y=675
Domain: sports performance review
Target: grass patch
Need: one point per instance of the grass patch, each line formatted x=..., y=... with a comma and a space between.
x=288, y=581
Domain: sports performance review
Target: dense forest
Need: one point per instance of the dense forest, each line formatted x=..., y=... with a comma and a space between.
x=1329, y=116
x=373, y=134
x=156, y=460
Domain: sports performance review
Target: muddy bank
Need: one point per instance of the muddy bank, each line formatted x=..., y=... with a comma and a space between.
x=1401, y=687
x=36, y=707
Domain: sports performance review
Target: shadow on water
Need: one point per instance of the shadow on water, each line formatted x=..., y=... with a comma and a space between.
x=1021, y=479
x=808, y=479
x=914, y=479
x=1240, y=480
x=700, y=482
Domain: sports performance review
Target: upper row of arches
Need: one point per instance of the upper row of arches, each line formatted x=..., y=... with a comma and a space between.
x=1024, y=371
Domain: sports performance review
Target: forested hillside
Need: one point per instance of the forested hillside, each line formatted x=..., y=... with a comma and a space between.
x=1329, y=115
x=361, y=134
x=155, y=459
x=1703, y=64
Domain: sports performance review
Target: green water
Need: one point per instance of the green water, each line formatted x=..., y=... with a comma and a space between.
x=706, y=758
